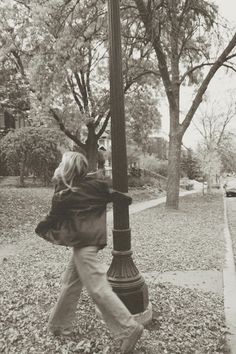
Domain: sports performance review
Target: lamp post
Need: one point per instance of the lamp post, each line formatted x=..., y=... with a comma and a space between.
x=123, y=275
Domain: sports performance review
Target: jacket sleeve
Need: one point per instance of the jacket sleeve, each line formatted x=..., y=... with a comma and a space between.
x=58, y=208
x=44, y=225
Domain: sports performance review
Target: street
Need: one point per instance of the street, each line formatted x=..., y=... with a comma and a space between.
x=229, y=274
x=231, y=214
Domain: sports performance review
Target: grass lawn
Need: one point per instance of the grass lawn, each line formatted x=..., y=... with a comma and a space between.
x=184, y=322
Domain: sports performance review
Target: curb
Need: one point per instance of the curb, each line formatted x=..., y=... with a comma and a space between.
x=229, y=280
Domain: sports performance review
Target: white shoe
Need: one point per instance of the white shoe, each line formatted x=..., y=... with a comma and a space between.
x=129, y=343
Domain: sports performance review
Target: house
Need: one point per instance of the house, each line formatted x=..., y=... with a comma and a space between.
x=8, y=121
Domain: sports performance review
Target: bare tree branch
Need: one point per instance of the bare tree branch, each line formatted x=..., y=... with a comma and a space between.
x=19, y=62
x=188, y=72
x=104, y=126
x=65, y=130
x=88, y=71
x=136, y=78
x=75, y=95
x=202, y=89
x=67, y=15
x=82, y=90
x=23, y=3
x=229, y=116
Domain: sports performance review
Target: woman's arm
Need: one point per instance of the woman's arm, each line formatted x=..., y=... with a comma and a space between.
x=57, y=211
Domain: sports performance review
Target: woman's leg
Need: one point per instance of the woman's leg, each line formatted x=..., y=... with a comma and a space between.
x=93, y=276
x=63, y=313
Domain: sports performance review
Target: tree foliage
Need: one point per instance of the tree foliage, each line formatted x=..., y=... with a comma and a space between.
x=32, y=150
x=14, y=97
x=143, y=116
x=62, y=48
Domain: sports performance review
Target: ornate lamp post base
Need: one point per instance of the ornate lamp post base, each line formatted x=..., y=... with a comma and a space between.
x=127, y=282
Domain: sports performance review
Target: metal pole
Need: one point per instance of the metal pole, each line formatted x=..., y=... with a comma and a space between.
x=123, y=275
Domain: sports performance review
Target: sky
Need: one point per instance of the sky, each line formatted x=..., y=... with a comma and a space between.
x=219, y=91
x=227, y=9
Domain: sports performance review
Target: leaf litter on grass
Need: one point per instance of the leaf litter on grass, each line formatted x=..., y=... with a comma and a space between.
x=185, y=321
x=187, y=239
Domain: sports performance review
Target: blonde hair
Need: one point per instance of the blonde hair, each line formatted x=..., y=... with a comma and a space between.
x=73, y=165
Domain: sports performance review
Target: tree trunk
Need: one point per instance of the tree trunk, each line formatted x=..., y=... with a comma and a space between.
x=22, y=173
x=92, y=148
x=209, y=183
x=173, y=179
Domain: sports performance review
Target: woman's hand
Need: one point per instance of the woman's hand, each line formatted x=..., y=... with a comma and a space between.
x=119, y=196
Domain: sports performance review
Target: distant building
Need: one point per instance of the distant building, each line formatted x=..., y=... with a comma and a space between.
x=8, y=121
x=105, y=141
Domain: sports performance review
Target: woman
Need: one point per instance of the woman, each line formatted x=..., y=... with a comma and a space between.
x=78, y=219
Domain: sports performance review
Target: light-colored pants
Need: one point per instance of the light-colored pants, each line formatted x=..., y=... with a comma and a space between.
x=85, y=270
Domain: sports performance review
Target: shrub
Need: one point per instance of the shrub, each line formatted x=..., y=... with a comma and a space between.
x=4, y=170
x=135, y=182
x=151, y=163
x=142, y=181
x=134, y=172
x=32, y=150
x=162, y=168
x=189, y=166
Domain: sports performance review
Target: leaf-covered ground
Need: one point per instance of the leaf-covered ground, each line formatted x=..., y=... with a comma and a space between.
x=187, y=239
x=184, y=321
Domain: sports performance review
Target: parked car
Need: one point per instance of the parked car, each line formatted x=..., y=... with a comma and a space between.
x=230, y=188
x=187, y=184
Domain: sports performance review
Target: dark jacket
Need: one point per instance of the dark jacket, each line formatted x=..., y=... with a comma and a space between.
x=78, y=218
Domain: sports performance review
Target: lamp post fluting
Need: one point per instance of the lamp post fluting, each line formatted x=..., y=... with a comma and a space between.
x=123, y=275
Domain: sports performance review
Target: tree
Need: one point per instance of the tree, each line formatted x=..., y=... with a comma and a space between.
x=63, y=53
x=190, y=165
x=210, y=164
x=216, y=146
x=32, y=149
x=227, y=153
x=179, y=33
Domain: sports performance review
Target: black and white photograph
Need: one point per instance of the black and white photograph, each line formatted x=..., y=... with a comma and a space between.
x=118, y=176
